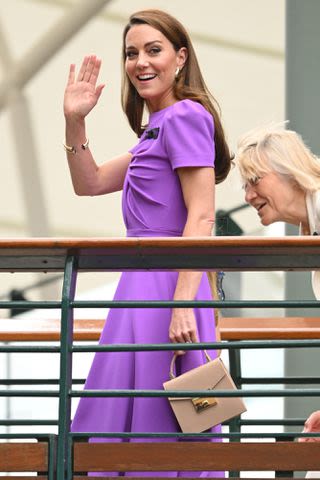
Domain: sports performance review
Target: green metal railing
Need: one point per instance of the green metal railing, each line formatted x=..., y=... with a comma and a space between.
x=77, y=255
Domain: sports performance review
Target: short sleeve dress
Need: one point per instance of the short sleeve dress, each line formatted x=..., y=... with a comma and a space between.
x=180, y=135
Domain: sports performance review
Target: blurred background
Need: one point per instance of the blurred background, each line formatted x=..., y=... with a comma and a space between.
x=240, y=46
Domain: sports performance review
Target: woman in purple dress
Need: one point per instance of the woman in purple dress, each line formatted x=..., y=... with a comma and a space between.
x=168, y=181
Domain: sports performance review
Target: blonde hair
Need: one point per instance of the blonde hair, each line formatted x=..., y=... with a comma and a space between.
x=274, y=149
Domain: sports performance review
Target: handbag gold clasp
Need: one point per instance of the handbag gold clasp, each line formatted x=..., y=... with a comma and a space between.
x=201, y=403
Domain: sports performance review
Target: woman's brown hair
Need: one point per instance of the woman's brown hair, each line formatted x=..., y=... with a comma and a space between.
x=189, y=83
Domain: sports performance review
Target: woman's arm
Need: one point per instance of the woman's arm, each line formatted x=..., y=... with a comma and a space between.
x=198, y=185
x=81, y=95
x=312, y=424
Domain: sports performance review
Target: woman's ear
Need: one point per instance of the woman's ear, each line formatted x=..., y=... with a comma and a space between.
x=182, y=56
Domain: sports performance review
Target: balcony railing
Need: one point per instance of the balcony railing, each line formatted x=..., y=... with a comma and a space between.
x=72, y=256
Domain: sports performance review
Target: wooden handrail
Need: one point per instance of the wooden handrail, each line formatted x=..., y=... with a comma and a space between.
x=24, y=457
x=231, y=328
x=133, y=242
x=199, y=253
x=273, y=328
x=194, y=456
x=39, y=330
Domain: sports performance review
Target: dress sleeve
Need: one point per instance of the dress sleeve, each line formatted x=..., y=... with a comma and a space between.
x=189, y=136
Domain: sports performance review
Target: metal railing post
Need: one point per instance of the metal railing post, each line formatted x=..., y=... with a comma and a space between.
x=235, y=370
x=68, y=292
x=52, y=447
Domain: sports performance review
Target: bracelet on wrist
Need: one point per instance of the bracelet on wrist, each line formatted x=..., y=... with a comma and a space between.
x=72, y=149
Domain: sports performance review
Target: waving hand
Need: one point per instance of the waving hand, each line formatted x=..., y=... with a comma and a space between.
x=82, y=92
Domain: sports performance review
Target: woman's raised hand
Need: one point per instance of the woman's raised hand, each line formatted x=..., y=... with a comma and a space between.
x=82, y=92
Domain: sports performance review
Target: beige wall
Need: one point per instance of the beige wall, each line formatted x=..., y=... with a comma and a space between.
x=240, y=48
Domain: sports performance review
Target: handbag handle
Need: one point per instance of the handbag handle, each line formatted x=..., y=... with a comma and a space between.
x=173, y=361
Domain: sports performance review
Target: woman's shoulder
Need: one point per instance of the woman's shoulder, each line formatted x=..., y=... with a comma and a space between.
x=189, y=113
x=189, y=118
x=188, y=107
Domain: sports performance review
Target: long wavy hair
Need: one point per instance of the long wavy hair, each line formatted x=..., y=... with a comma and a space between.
x=188, y=84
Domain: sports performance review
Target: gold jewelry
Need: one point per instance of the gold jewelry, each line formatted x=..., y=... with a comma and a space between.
x=72, y=149
x=176, y=73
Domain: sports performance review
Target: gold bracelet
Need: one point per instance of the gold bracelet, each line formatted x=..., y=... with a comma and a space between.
x=72, y=149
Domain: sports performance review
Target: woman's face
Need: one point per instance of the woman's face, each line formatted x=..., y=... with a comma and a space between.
x=275, y=197
x=151, y=63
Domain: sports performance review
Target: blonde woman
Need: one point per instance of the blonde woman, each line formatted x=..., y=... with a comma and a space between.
x=281, y=178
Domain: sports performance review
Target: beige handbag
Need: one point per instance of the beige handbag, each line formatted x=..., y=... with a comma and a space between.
x=196, y=415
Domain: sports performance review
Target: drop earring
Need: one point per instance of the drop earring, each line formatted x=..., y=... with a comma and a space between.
x=176, y=73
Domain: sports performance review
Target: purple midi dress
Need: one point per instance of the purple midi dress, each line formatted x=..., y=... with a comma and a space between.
x=180, y=135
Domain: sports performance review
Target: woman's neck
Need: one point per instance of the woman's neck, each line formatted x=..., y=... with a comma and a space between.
x=296, y=212
x=299, y=213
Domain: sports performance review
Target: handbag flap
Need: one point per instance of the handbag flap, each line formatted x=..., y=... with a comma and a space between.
x=204, y=377
x=197, y=414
